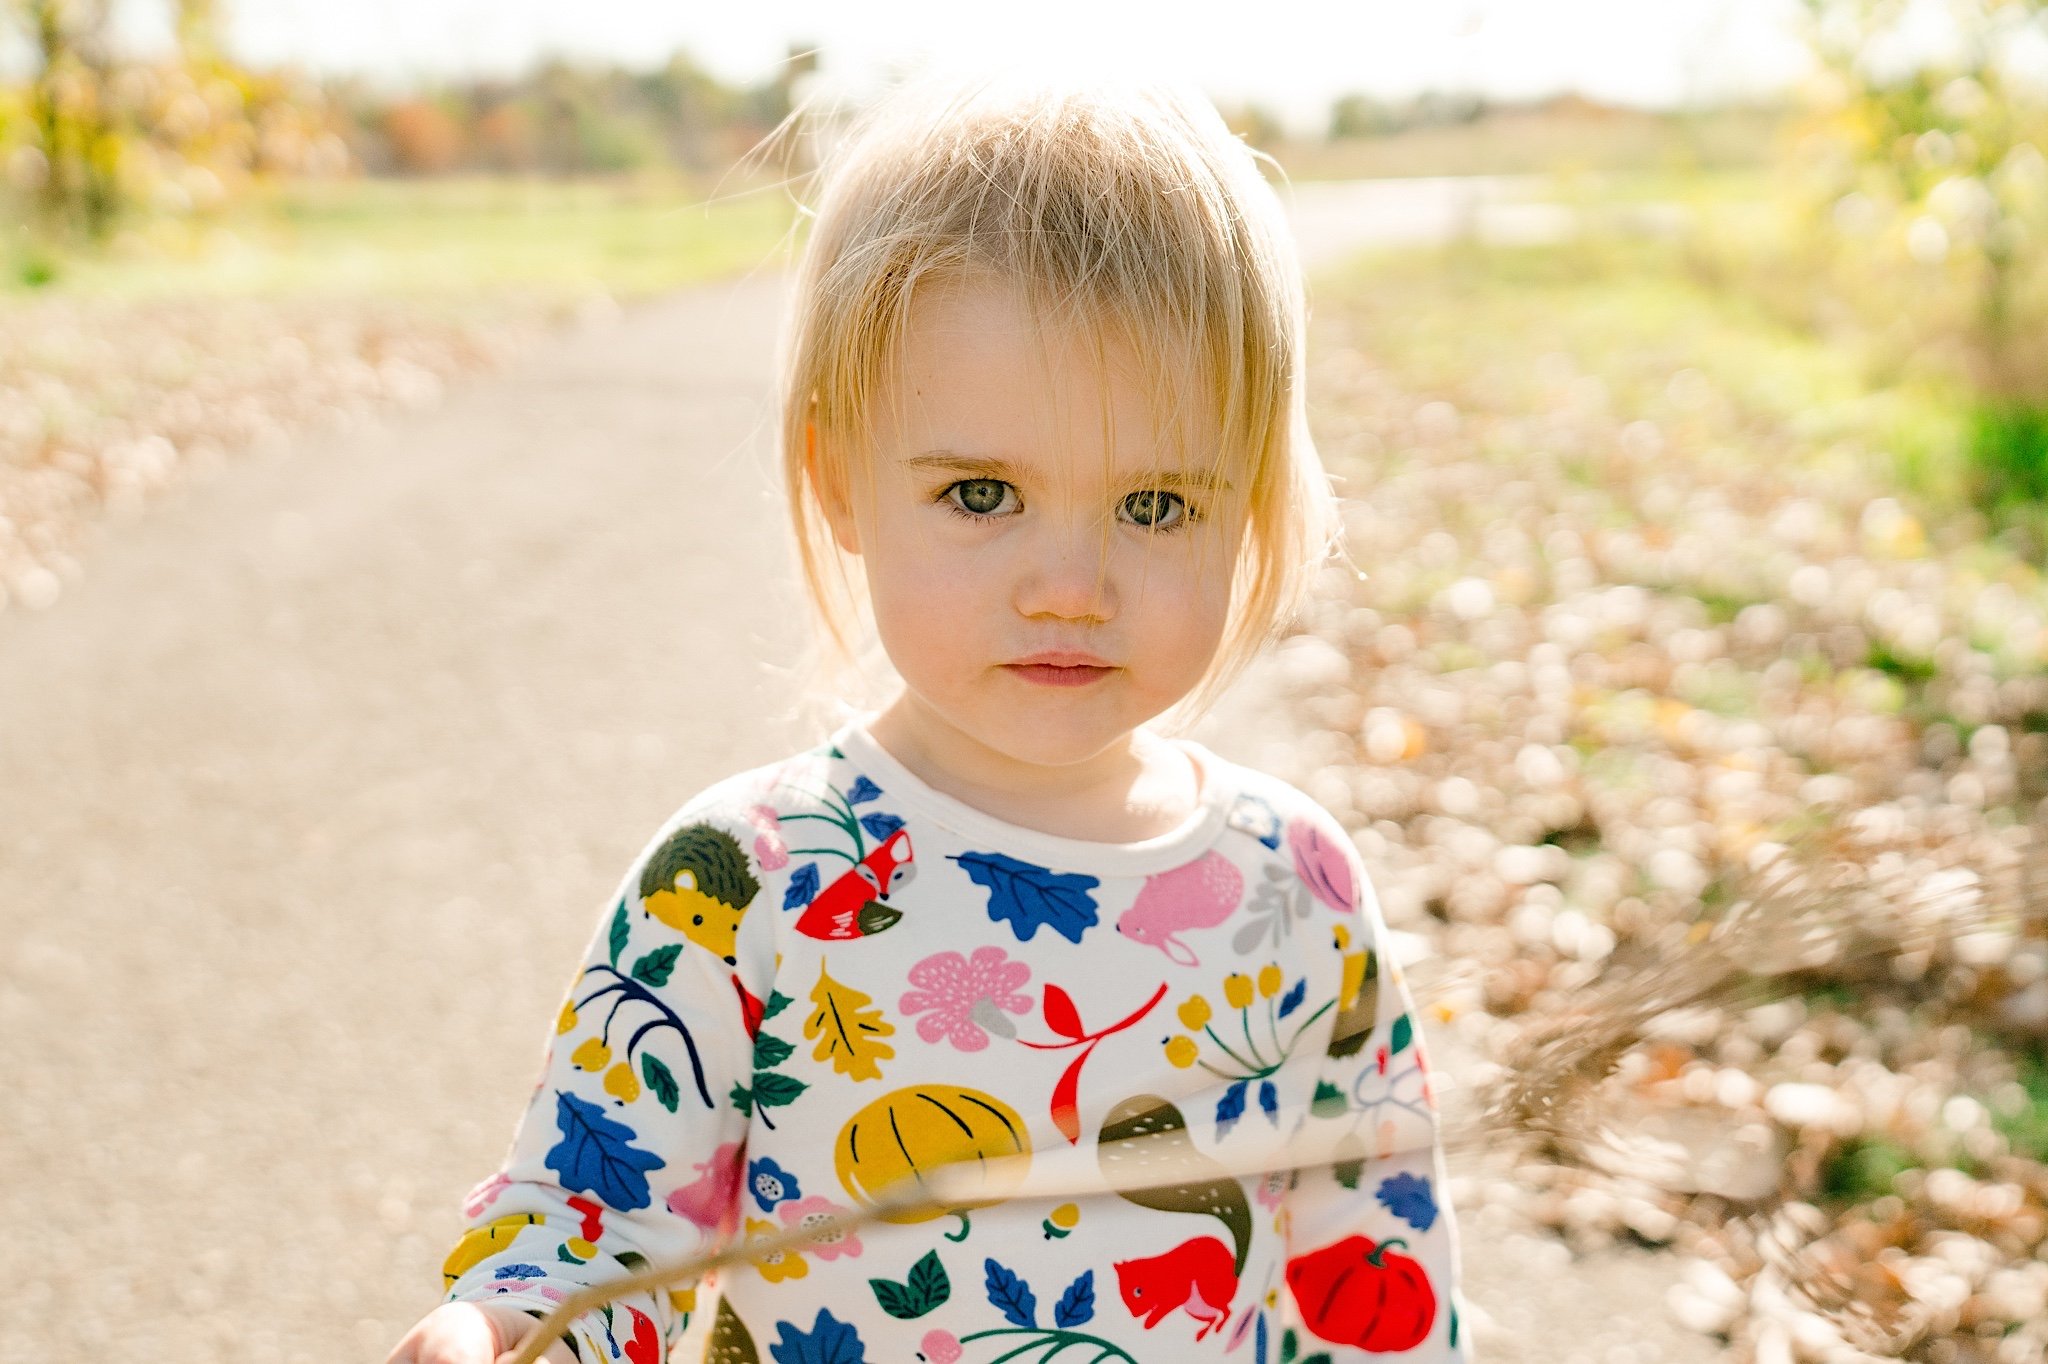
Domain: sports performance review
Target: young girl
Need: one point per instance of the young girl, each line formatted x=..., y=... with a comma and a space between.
x=1043, y=381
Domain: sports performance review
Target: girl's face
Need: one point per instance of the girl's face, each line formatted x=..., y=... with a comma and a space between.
x=982, y=539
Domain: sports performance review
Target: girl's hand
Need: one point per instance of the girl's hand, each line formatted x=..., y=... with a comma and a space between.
x=472, y=1333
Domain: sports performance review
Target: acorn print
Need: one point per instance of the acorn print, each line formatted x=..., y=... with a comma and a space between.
x=1146, y=1131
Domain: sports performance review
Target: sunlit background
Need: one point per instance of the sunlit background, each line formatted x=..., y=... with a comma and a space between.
x=1684, y=365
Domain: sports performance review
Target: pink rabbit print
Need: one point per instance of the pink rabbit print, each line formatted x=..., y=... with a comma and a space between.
x=1201, y=894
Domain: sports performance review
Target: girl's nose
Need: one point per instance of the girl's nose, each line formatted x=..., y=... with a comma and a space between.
x=1066, y=574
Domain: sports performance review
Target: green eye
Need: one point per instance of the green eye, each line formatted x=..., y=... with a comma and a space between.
x=1152, y=509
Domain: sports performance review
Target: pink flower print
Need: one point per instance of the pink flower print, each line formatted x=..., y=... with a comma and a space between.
x=1322, y=865
x=1272, y=1187
x=708, y=1200
x=939, y=1347
x=484, y=1194
x=812, y=1210
x=958, y=997
x=769, y=849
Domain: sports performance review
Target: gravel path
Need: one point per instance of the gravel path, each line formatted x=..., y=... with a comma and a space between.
x=314, y=784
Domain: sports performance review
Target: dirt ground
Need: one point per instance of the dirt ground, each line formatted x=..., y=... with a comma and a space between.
x=315, y=783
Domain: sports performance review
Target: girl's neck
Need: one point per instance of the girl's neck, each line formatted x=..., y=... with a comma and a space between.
x=1138, y=789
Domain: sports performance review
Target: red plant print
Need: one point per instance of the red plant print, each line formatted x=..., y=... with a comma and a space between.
x=1063, y=1018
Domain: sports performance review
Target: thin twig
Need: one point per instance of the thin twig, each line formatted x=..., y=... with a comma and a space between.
x=1789, y=916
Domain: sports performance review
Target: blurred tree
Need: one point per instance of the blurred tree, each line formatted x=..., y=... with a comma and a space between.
x=1255, y=123
x=1920, y=185
x=1359, y=115
x=505, y=140
x=72, y=124
x=424, y=137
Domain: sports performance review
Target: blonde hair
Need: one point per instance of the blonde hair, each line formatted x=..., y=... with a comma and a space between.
x=1117, y=208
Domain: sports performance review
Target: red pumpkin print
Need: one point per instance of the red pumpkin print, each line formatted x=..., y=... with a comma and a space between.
x=1356, y=1293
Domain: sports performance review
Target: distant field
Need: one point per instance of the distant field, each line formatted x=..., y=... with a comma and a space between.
x=1627, y=143
x=436, y=237
x=440, y=237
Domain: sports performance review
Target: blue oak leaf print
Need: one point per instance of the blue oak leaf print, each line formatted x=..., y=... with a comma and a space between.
x=519, y=1272
x=771, y=1184
x=1230, y=1107
x=829, y=1341
x=1291, y=1001
x=1409, y=1198
x=862, y=789
x=1269, y=1100
x=1033, y=897
x=1077, y=1304
x=596, y=1155
x=879, y=825
x=803, y=886
x=1011, y=1294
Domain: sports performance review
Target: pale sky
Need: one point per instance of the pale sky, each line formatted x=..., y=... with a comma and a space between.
x=1292, y=55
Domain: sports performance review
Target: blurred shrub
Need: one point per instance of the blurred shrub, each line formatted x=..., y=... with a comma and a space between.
x=423, y=137
x=1917, y=191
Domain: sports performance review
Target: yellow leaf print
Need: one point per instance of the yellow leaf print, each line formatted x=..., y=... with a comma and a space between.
x=847, y=1030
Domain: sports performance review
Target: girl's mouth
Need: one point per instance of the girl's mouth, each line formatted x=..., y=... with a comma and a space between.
x=1053, y=675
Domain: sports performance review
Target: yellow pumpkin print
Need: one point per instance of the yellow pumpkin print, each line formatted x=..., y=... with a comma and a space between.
x=486, y=1240
x=908, y=1133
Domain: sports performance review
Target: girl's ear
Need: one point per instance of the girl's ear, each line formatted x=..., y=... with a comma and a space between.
x=838, y=511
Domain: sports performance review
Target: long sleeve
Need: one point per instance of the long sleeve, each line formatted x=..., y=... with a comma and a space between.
x=629, y=1150
x=1372, y=1248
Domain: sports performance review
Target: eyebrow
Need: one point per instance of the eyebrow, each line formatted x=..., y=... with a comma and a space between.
x=994, y=468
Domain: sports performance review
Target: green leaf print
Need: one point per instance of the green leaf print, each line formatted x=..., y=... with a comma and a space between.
x=770, y=1051
x=773, y=1091
x=618, y=935
x=660, y=1080
x=1404, y=1033
x=777, y=1002
x=1328, y=1102
x=928, y=1280
x=656, y=966
x=896, y=1299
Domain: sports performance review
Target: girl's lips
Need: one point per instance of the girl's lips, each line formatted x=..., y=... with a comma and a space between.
x=1054, y=676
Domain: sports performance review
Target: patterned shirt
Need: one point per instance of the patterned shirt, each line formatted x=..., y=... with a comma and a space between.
x=824, y=976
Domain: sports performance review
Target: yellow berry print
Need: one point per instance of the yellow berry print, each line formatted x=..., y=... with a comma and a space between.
x=622, y=1082
x=1248, y=1046
x=593, y=1055
x=568, y=1018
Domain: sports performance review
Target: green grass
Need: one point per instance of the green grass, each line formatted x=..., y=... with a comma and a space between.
x=2027, y=1130
x=1861, y=1169
x=1620, y=307
x=413, y=238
